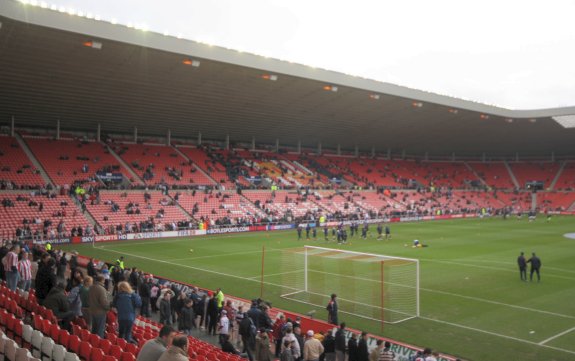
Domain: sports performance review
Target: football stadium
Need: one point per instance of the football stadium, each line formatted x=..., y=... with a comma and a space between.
x=148, y=166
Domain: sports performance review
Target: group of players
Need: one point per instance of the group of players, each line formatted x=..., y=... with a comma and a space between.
x=535, y=266
x=340, y=233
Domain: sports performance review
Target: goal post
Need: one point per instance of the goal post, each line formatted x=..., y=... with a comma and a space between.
x=371, y=286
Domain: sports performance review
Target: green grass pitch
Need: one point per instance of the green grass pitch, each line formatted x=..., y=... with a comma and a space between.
x=473, y=304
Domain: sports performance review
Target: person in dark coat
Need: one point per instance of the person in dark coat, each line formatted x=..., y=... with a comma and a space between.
x=362, y=349
x=352, y=348
x=187, y=317
x=212, y=312
x=57, y=301
x=522, y=263
x=91, y=268
x=535, y=266
x=45, y=277
x=340, y=343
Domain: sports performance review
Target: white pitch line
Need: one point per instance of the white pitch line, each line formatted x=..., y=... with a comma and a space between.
x=224, y=255
x=557, y=336
x=496, y=334
x=275, y=274
x=510, y=264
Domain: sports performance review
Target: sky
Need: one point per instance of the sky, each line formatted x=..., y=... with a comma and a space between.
x=514, y=54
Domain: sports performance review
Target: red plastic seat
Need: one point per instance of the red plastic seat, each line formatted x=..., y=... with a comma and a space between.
x=64, y=338
x=97, y=354
x=109, y=358
x=131, y=348
x=105, y=345
x=84, y=335
x=54, y=332
x=127, y=356
x=74, y=344
x=94, y=340
x=121, y=342
x=115, y=351
x=85, y=350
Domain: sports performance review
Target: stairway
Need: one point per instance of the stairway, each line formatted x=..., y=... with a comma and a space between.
x=557, y=176
x=515, y=182
x=33, y=159
x=135, y=176
x=195, y=165
x=476, y=175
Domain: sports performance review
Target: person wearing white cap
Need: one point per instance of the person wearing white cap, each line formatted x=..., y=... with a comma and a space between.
x=312, y=347
x=224, y=326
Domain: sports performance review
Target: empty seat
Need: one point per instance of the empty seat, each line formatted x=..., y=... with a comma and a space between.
x=70, y=356
x=22, y=354
x=47, y=348
x=37, y=338
x=59, y=353
x=10, y=348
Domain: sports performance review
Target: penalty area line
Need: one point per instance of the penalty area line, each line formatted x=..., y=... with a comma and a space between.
x=556, y=336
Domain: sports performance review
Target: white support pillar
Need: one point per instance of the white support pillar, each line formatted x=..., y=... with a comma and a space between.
x=299, y=147
x=403, y=154
x=373, y=152
x=227, y=142
x=58, y=129
x=553, y=156
x=199, y=138
x=319, y=148
x=135, y=134
x=388, y=153
x=483, y=157
x=426, y=156
x=169, y=138
x=339, y=149
x=98, y=132
x=253, y=143
x=453, y=157
x=277, y=145
x=12, y=125
x=356, y=151
x=517, y=156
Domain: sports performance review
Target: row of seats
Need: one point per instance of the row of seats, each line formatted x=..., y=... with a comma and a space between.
x=64, y=161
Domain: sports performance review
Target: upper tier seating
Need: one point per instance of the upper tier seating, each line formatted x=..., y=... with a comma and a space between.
x=160, y=164
x=494, y=174
x=27, y=207
x=218, y=205
x=15, y=166
x=566, y=180
x=534, y=171
x=67, y=161
x=280, y=202
x=556, y=201
x=213, y=168
x=132, y=202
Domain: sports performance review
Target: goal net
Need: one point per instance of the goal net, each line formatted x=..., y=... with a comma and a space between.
x=375, y=287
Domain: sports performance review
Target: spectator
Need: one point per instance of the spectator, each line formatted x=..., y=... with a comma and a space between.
x=84, y=291
x=340, y=343
x=165, y=309
x=126, y=302
x=287, y=353
x=187, y=317
x=352, y=350
x=375, y=354
x=178, y=351
x=278, y=333
x=312, y=348
x=58, y=303
x=387, y=354
x=10, y=263
x=228, y=347
x=153, y=349
x=144, y=291
x=75, y=300
x=45, y=277
x=98, y=306
x=329, y=346
x=294, y=345
x=25, y=271
x=363, y=351
x=263, y=351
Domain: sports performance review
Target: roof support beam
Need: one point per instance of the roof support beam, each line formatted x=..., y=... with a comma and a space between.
x=253, y=143
x=299, y=147
x=277, y=145
x=98, y=132
x=169, y=138
x=227, y=142
x=339, y=149
x=319, y=148
x=135, y=134
x=199, y=138
x=12, y=126
x=58, y=129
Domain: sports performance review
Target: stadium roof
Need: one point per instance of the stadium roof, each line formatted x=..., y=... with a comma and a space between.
x=86, y=72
